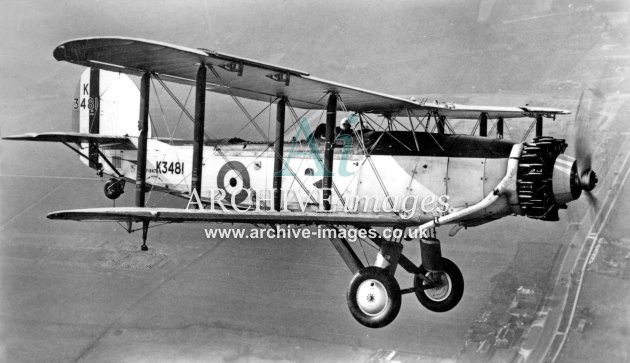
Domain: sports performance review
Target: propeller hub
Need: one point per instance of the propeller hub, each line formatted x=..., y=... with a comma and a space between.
x=588, y=180
x=569, y=181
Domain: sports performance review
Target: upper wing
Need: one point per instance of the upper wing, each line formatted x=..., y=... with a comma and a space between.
x=176, y=215
x=458, y=111
x=71, y=137
x=243, y=77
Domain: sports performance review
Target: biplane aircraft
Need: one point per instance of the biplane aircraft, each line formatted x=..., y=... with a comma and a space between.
x=331, y=176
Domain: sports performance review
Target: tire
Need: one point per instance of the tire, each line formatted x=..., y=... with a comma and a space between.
x=447, y=296
x=374, y=297
x=114, y=188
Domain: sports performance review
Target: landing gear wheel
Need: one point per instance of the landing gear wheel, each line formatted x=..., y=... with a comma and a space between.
x=114, y=188
x=374, y=297
x=448, y=290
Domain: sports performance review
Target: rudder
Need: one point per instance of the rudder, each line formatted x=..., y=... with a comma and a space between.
x=106, y=103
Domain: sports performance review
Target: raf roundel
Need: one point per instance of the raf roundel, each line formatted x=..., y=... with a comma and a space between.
x=234, y=179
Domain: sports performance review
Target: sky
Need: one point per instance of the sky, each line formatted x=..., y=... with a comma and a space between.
x=397, y=47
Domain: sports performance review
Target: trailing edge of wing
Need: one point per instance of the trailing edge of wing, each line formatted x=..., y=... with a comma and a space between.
x=70, y=137
x=248, y=78
x=176, y=215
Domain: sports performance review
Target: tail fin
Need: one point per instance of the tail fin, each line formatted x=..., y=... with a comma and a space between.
x=106, y=103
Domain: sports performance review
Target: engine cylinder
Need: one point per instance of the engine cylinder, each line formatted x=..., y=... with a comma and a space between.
x=534, y=185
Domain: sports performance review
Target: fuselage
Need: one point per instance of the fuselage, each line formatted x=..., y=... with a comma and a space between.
x=420, y=176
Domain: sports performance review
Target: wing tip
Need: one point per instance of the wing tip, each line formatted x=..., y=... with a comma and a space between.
x=26, y=136
x=55, y=215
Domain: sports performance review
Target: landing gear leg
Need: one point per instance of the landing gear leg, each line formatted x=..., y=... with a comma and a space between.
x=374, y=296
x=388, y=255
x=145, y=230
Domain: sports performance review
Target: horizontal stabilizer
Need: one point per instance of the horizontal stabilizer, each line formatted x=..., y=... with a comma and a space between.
x=177, y=215
x=70, y=137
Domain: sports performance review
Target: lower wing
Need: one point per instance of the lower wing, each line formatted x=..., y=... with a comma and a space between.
x=177, y=215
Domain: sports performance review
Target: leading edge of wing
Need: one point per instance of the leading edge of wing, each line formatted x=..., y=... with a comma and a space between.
x=176, y=215
x=61, y=52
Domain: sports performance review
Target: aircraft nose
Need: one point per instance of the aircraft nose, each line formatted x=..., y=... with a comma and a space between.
x=568, y=181
x=548, y=179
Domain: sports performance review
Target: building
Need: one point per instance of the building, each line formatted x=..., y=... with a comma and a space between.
x=528, y=296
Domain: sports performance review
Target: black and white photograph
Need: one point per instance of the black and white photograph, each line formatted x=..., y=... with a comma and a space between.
x=315, y=181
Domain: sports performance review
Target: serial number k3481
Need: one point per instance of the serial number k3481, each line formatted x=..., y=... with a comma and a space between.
x=165, y=167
